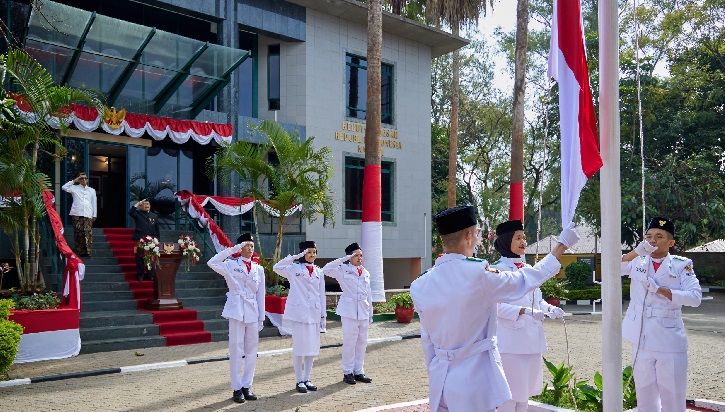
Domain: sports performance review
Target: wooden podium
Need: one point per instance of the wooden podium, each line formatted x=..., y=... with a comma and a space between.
x=165, y=279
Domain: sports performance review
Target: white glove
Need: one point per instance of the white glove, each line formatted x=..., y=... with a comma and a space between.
x=299, y=255
x=323, y=323
x=568, y=236
x=556, y=313
x=536, y=314
x=237, y=248
x=651, y=285
x=346, y=258
x=260, y=327
x=644, y=248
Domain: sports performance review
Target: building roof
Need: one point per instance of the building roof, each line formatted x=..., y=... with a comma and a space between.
x=439, y=41
x=588, y=243
x=714, y=246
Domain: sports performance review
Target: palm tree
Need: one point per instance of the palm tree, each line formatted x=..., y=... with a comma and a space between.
x=516, y=206
x=21, y=143
x=456, y=14
x=301, y=175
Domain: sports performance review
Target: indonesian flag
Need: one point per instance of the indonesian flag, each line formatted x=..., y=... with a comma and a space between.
x=580, y=157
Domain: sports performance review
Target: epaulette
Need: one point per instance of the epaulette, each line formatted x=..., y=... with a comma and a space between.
x=492, y=269
x=426, y=271
x=497, y=262
x=684, y=259
x=473, y=259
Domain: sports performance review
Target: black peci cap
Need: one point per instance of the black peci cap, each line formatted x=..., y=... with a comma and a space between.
x=307, y=244
x=245, y=237
x=659, y=222
x=353, y=247
x=510, y=226
x=454, y=219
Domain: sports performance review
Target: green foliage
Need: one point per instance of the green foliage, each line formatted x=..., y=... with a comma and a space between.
x=10, y=334
x=402, y=299
x=578, y=274
x=560, y=378
x=593, y=292
x=384, y=307
x=277, y=290
x=591, y=396
x=629, y=391
x=707, y=274
x=554, y=288
x=36, y=301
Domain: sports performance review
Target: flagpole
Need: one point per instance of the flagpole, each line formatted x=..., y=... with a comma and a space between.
x=610, y=201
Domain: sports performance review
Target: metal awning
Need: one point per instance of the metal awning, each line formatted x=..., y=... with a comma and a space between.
x=128, y=61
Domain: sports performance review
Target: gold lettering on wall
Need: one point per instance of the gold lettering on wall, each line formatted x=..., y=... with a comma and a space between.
x=355, y=133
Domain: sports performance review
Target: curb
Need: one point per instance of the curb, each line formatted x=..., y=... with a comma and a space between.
x=174, y=364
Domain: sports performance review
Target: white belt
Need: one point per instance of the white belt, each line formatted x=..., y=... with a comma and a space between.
x=466, y=351
x=650, y=312
x=243, y=293
x=359, y=296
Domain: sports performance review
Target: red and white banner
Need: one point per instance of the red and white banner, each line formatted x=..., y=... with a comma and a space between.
x=135, y=125
x=47, y=334
x=580, y=157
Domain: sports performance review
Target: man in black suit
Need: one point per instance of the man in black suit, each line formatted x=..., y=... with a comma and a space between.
x=146, y=225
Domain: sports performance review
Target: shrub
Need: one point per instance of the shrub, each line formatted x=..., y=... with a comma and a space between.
x=554, y=288
x=593, y=292
x=707, y=274
x=277, y=290
x=402, y=299
x=579, y=275
x=10, y=333
x=384, y=307
x=36, y=301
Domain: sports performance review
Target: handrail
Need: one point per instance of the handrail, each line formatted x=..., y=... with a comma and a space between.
x=202, y=233
x=49, y=249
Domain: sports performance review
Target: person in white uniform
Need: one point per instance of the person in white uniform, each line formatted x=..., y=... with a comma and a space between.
x=661, y=284
x=521, y=339
x=304, y=310
x=355, y=309
x=456, y=301
x=244, y=309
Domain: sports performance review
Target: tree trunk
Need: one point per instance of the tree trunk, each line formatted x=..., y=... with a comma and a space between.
x=516, y=207
x=453, y=128
x=371, y=236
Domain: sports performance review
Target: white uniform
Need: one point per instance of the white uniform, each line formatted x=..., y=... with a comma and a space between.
x=521, y=340
x=84, y=200
x=660, y=369
x=305, y=307
x=456, y=301
x=355, y=308
x=245, y=310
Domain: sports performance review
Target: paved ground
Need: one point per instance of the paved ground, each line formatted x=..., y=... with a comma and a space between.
x=397, y=368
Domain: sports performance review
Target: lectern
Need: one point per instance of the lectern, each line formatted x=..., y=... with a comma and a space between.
x=165, y=278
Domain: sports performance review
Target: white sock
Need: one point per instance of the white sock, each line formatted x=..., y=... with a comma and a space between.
x=297, y=363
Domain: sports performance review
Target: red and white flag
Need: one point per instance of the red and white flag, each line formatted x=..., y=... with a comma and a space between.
x=580, y=157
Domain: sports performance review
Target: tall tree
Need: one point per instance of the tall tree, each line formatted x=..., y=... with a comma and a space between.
x=516, y=197
x=372, y=226
x=456, y=14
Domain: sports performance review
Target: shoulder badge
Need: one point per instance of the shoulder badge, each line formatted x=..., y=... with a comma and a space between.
x=680, y=258
x=689, y=271
x=492, y=269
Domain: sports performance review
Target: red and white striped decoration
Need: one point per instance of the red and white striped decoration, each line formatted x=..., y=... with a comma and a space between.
x=371, y=239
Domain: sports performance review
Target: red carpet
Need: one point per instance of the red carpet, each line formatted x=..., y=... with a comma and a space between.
x=179, y=327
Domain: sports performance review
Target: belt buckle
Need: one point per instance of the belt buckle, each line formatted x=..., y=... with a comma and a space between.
x=648, y=311
x=450, y=355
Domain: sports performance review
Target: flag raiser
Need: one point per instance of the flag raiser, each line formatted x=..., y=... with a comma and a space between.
x=580, y=157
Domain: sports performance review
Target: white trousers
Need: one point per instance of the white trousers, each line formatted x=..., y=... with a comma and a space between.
x=354, y=343
x=513, y=406
x=443, y=407
x=243, y=342
x=661, y=381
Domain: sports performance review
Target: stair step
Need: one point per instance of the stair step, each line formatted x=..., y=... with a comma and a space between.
x=201, y=293
x=107, y=345
x=190, y=302
x=208, y=312
x=102, y=278
x=105, y=269
x=104, y=286
x=107, y=296
x=115, y=318
x=181, y=326
x=119, y=332
x=174, y=339
x=112, y=305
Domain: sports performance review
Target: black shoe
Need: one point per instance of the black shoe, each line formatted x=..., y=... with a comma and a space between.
x=310, y=386
x=148, y=277
x=348, y=378
x=301, y=387
x=139, y=277
x=362, y=378
x=238, y=396
x=248, y=395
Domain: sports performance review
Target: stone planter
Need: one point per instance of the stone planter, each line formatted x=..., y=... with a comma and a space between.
x=404, y=315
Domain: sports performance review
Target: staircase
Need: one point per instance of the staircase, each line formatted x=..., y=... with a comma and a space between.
x=111, y=316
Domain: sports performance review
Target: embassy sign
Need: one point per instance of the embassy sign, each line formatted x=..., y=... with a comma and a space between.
x=355, y=133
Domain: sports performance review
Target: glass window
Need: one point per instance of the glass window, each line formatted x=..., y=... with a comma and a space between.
x=273, y=80
x=354, y=167
x=248, y=75
x=356, y=69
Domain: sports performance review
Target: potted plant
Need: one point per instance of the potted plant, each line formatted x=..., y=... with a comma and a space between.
x=403, y=307
x=553, y=290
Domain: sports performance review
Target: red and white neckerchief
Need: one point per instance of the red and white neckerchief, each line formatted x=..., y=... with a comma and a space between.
x=519, y=265
x=656, y=263
x=248, y=264
x=310, y=269
x=359, y=270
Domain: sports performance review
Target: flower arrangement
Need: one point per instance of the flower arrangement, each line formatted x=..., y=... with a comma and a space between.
x=189, y=251
x=150, y=247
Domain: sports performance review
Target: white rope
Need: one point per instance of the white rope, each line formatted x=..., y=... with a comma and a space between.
x=639, y=113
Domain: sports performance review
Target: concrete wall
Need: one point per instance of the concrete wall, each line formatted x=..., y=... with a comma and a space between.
x=715, y=259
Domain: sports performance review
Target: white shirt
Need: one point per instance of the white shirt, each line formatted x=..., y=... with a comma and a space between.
x=306, y=299
x=520, y=334
x=656, y=320
x=245, y=299
x=356, y=301
x=456, y=301
x=84, y=199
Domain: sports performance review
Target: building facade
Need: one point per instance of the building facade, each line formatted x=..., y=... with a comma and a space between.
x=299, y=62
